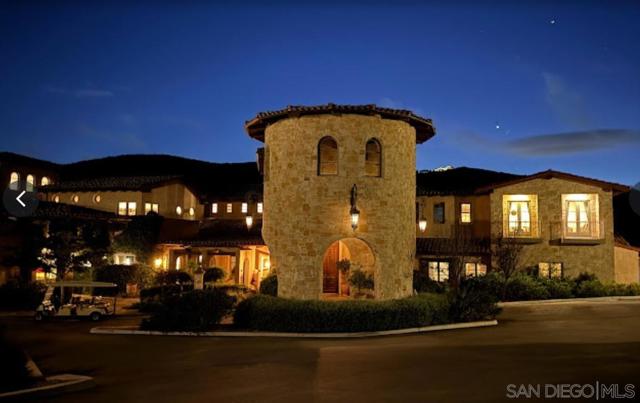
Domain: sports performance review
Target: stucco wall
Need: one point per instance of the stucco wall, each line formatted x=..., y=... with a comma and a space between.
x=168, y=198
x=595, y=258
x=304, y=213
x=627, y=265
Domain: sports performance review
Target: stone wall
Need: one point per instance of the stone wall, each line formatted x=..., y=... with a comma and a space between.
x=597, y=258
x=305, y=213
x=627, y=265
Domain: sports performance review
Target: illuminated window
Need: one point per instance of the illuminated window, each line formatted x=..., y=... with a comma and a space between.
x=14, y=181
x=229, y=208
x=245, y=207
x=550, y=270
x=519, y=218
x=327, y=156
x=580, y=212
x=56, y=199
x=438, y=271
x=75, y=198
x=97, y=199
x=127, y=208
x=438, y=213
x=149, y=207
x=373, y=158
x=124, y=259
x=465, y=213
x=214, y=208
x=475, y=269
x=192, y=211
x=179, y=210
x=44, y=181
x=30, y=183
x=179, y=263
x=259, y=208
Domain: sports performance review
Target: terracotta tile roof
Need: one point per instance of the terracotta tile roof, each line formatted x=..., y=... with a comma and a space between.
x=60, y=210
x=607, y=186
x=448, y=246
x=256, y=126
x=223, y=233
x=111, y=183
x=458, y=181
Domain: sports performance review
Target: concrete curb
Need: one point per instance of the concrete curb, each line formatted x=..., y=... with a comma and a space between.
x=452, y=326
x=63, y=383
x=569, y=301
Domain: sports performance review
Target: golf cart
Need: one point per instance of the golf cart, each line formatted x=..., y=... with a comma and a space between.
x=62, y=301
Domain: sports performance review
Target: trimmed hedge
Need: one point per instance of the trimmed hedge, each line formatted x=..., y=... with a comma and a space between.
x=193, y=311
x=267, y=313
x=473, y=300
x=526, y=287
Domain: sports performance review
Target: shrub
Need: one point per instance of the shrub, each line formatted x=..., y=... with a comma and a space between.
x=423, y=284
x=522, y=287
x=269, y=285
x=162, y=291
x=213, y=275
x=172, y=277
x=361, y=280
x=473, y=300
x=20, y=295
x=557, y=288
x=268, y=313
x=590, y=288
x=122, y=275
x=195, y=311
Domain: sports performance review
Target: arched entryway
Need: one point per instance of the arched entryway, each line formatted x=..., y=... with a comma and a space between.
x=355, y=253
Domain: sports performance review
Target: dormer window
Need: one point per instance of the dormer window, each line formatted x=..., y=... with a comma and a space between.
x=14, y=181
x=327, y=156
x=373, y=158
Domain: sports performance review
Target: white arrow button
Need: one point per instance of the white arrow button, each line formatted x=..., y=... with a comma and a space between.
x=20, y=201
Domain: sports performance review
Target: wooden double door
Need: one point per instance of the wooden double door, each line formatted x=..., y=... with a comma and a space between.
x=330, y=269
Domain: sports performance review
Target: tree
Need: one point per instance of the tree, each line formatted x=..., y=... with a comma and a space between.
x=139, y=237
x=506, y=252
x=74, y=245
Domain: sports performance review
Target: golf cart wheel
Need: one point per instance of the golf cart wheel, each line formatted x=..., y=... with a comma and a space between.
x=38, y=316
x=95, y=316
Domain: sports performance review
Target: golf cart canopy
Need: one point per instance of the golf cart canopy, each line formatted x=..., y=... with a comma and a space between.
x=83, y=284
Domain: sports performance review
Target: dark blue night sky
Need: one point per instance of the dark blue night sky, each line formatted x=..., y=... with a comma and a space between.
x=509, y=86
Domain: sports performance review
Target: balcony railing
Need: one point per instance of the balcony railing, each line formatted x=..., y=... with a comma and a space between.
x=589, y=231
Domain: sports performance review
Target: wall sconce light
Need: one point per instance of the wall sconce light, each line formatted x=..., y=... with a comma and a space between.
x=157, y=262
x=422, y=224
x=354, y=212
x=249, y=221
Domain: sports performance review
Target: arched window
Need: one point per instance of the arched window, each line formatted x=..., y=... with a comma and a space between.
x=30, y=182
x=14, y=181
x=373, y=158
x=327, y=156
x=44, y=181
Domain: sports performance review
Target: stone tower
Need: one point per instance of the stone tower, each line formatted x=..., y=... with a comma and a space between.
x=313, y=157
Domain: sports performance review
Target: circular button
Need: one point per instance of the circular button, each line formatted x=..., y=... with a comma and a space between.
x=19, y=203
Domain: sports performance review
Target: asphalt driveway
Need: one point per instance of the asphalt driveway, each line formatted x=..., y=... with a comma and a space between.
x=580, y=342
